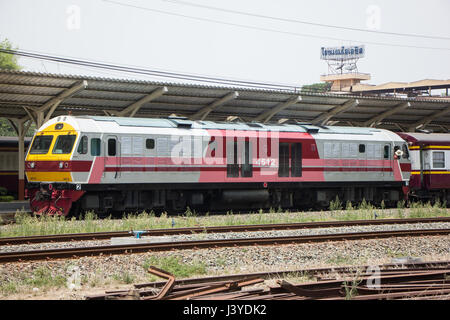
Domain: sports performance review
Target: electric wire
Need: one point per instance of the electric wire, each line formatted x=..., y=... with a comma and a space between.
x=187, y=3
x=270, y=29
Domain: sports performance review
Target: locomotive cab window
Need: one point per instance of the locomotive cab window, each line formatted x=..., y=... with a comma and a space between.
x=83, y=145
x=64, y=144
x=41, y=144
x=438, y=159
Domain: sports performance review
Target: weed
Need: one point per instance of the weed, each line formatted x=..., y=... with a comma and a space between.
x=336, y=204
x=124, y=277
x=42, y=277
x=175, y=266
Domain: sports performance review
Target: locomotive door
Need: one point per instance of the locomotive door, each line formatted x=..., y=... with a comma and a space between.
x=388, y=158
x=112, y=158
x=283, y=162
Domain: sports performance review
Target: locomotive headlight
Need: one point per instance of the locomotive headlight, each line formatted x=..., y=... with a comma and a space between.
x=61, y=164
x=31, y=165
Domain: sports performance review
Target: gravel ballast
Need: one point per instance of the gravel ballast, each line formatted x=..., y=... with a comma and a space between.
x=98, y=273
x=236, y=235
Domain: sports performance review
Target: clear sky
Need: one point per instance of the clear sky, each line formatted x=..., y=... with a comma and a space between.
x=184, y=38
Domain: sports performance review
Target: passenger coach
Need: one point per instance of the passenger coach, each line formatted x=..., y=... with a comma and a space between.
x=430, y=172
x=117, y=164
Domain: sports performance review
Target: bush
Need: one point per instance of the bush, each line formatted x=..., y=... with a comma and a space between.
x=6, y=198
x=3, y=191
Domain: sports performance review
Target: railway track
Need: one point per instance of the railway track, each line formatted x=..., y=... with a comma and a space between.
x=217, y=229
x=66, y=253
x=424, y=280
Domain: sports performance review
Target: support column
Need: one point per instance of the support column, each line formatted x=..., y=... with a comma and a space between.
x=21, y=130
x=21, y=143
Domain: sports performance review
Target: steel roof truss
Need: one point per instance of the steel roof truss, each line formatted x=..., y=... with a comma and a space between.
x=374, y=121
x=323, y=118
x=267, y=115
x=132, y=109
x=203, y=112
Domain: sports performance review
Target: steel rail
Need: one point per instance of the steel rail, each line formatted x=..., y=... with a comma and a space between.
x=395, y=283
x=199, y=244
x=216, y=229
x=385, y=268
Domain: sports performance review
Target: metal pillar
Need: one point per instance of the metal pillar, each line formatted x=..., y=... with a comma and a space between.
x=21, y=130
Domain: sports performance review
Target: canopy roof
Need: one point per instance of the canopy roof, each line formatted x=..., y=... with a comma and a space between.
x=40, y=96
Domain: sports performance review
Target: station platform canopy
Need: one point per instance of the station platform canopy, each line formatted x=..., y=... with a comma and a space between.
x=40, y=96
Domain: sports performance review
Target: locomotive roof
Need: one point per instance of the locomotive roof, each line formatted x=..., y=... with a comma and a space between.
x=215, y=125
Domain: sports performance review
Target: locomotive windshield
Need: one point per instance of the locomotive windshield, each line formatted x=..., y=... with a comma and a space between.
x=41, y=144
x=64, y=144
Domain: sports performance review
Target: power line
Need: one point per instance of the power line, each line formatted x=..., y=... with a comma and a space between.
x=269, y=29
x=139, y=70
x=187, y=3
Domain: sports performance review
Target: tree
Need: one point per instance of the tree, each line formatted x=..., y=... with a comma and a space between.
x=8, y=61
x=317, y=87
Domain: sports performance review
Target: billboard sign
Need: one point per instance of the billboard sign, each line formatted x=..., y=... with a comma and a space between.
x=342, y=53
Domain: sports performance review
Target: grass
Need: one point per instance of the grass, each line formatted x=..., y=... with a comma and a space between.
x=27, y=225
x=41, y=278
x=175, y=266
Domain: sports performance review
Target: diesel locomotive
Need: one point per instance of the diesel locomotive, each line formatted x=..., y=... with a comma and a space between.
x=114, y=164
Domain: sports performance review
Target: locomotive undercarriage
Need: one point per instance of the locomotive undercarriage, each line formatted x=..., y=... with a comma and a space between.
x=433, y=196
x=117, y=199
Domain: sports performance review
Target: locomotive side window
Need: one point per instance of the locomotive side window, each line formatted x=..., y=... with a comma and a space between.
x=111, y=147
x=150, y=143
x=83, y=145
x=64, y=144
x=41, y=144
x=362, y=148
x=405, y=151
x=95, y=146
x=387, y=151
x=438, y=159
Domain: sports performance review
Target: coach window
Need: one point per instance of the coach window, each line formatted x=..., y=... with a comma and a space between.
x=111, y=147
x=438, y=159
x=150, y=143
x=95, y=146
x=83, y=145
x=387, y=152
